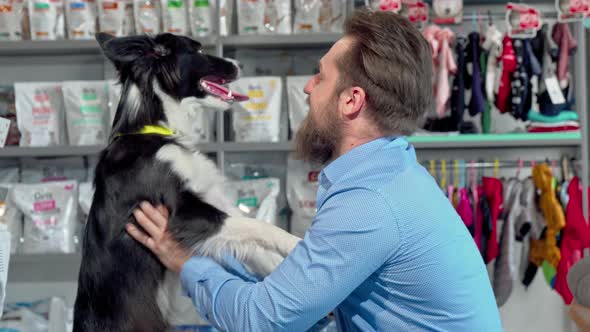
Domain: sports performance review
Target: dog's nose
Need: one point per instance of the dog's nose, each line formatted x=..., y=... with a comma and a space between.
x=237, y=65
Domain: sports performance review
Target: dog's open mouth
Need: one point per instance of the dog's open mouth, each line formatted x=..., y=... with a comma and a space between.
x=216, y=87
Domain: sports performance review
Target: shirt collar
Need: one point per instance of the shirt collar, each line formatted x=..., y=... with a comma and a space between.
x=339, y=167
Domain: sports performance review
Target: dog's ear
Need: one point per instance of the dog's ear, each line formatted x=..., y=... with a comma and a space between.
x=121, y=50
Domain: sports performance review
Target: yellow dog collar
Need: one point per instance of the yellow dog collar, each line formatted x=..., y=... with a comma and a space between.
x=151, y=130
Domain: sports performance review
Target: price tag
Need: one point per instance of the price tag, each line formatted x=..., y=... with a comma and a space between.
x=572, y=10
x=4, y=128
x=523, y=21
x=447, y=11
x=554, y=90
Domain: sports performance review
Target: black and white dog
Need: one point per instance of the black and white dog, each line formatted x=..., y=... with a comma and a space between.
x=122, y=286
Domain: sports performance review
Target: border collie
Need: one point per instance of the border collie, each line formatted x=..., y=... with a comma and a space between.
x=121, y=285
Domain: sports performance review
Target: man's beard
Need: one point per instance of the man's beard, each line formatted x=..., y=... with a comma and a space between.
x=315, y=144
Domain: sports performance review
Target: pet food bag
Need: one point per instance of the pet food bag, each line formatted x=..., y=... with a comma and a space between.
x=87, y=112
x=50, y=215
x=114, y=97
x=175, y=17
x=4, y=258
x=225, y=17
x=10, y=19
x=8, y=111
x=256, y=198
x=111, y=17
x=10, y=217
x=264, y=17
x=39, y=109
x=297, y=100
x=81, y=18
x=319, y=15
x=258, y=119
x=302, y=187
x=47, y=19
x=129, y=20
x=201, y=13
x=147, y=14
x=53, y=169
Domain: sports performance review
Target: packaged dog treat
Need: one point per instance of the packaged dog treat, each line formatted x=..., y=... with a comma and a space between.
x=258, y=119
x=319, y=15
x=302, y=187
x=201, y=17
x=298, y=106
x=53, y=169
x=225, y=17
x=264, y=17
x=50, y=215
x=87, y=112
x=81, y=19
x=39, y=108
x=11, y=217
x=175, y=17
x=8, y=111
x=256, y=198
x=111, y=17
x=129, y=20
x=10, y=16
x=47, y=19
x=147, y=14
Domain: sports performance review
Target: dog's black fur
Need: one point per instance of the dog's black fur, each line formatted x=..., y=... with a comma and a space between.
x=119, y=278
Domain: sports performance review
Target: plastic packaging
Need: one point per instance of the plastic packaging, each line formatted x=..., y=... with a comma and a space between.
x=47, y=19
x=39, y=108
x=225, y=16
x=85, y=198
x=53, y=169
x=147, y=14
x=111, y=17
x=129, y=20
x=302, y=187
x=258, y=119
x=201, y=17
x=264, y=17
x=10, y=16
x=10, y=217
x=87, y=112
x=23, y=320
x=297, y=99
x=307, y=16
x=50, y=215
x=4, y=259
x=257, y=198
x=81, y=19
x=175, y=17
x=332, y=15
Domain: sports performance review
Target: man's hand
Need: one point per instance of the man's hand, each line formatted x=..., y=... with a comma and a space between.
x=154, y=222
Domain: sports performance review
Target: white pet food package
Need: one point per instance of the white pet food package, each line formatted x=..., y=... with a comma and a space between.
x=10, y=217
x=264, y=17
x=258, y=119
x=111, y=16
x=147, y=14
x=86, y=195
x=302, y=187
x=10, y=19
x=87, y=112
x=225, y=17
x=53, y=169
x=297, y=100
x=129, y=20
x=175, y=17
x=40, y=114
x=9, y=174
x=332, y=15
x=307, y=16
x=81, y=19
x=114, y=97
x=4, y=259
x=50, y=215
x=47, y=19
x=256, y=198
x=201, y=13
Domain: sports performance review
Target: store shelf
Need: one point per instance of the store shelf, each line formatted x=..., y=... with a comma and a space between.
x=252, y=147
x=36, y=259
x=281, y=41
x=480, y=141
x=63, y=47
x=44, y=267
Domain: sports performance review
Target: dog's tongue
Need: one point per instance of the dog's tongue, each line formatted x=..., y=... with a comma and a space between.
x=222, y=92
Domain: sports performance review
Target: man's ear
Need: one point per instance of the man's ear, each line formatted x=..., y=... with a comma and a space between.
x=122, y=50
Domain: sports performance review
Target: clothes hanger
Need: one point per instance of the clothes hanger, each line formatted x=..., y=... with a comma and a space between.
x=496, y=168
x=519, y=168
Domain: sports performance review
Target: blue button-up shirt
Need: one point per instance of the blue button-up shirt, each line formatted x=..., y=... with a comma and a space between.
x=386, y=252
